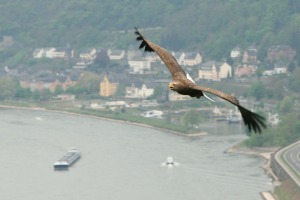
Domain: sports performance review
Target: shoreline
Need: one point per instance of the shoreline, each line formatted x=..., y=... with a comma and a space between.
x=264, y=153
x=197, y=134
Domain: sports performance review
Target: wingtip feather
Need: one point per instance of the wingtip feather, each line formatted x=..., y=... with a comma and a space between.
x=144, y=42
x=253, y=121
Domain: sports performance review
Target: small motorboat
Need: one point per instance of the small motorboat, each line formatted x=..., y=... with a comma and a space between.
x=169, y=162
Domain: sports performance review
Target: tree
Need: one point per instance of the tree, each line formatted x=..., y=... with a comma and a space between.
x=101, y=61
x=294, y=81
x=291, y=67
x=286, y=104
x=8, y=87
x=88, y=83
x=258, y=90
x=159, y=92
x=23, y=93
x=58, y=90
x=192, y=118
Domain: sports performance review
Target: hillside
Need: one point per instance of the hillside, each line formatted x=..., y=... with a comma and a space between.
x=212, y=26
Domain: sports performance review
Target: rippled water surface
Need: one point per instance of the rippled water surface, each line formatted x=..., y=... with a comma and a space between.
x=121, y=161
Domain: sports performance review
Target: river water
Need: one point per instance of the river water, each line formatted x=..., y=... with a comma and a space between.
x=121, y=161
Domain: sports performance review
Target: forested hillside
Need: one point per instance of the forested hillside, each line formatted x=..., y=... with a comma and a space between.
x=212, y=26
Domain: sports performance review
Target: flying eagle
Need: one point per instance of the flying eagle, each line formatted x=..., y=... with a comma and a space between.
x=184, y=84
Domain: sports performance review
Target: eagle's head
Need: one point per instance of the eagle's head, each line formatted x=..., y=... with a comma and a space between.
x=173, y=86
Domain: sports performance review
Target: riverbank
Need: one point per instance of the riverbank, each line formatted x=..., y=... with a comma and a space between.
x=264, y=153
x=35, y=108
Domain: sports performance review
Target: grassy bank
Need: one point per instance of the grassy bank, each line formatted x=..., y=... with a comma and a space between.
x=68, y=106
x=288, y=190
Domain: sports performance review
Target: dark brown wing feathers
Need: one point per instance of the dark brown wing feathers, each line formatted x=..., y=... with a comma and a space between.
x=144, y=43
x=165, y=56
x=253, y=121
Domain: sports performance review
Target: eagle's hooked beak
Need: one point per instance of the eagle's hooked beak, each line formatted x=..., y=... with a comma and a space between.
x=171, y=86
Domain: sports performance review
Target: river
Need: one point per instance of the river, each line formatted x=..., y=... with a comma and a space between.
x=121, y=161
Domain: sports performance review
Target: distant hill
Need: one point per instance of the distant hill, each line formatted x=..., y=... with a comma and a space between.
x=212, y=26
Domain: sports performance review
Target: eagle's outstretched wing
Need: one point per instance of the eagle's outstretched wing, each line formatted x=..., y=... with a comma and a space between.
x=165, y=56
x=252, y=120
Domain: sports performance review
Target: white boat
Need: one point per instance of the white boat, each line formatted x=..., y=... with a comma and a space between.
x=234, y=117
x=169, y=162
x=153, y=113
x=68, y=159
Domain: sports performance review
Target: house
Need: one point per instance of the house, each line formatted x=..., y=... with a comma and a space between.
x=268, y=72
x=139, y=65
x=214, y=71
x=88, y=55
x=64, y=53
x=244, y=71
x=275, y=71
x=52, y=52
x=67, y=82
x=50, y=82
x=82, y=65
x=141, y=92
x=34, y=85
x=280, y=70
x=116, y=54
x=43, y=52
x=192, y=59
x=250, y=55
x=281, y=53
x=107, y=88
x=235, y=53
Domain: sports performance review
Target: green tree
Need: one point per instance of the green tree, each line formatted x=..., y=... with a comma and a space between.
x=88, y=83
x=23, y=93
x=120, y=90
x=286, y=104
x=58, y=90
x=192, y=118
x=101, y=62
x=8, y=87
x=258, y=90
x=294, y=81
x=159, y=93
x=291, y=67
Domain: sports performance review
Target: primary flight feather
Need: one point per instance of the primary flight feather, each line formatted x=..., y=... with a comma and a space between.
x=183, y=84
